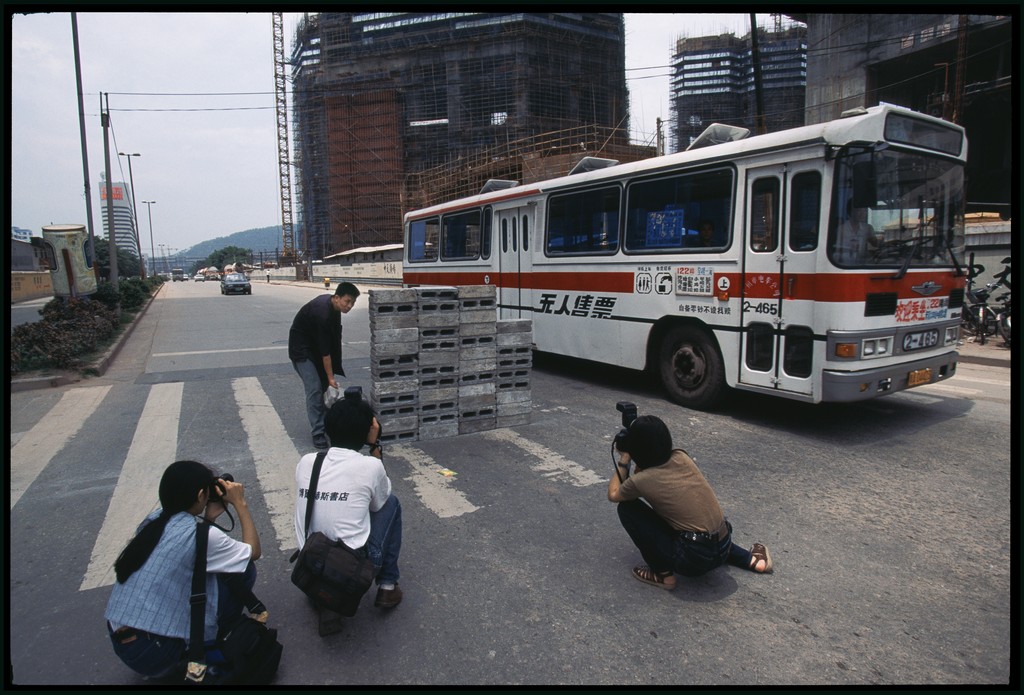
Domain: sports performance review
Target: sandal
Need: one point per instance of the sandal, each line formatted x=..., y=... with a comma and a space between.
x=759, y=554
x=658, y=579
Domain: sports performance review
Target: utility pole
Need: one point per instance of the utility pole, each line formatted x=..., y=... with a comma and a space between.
x=135, y=212
x=112, y=245
x=755, y=55
x=85, y=148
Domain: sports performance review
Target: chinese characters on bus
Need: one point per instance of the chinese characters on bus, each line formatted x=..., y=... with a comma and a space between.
x=584, y=306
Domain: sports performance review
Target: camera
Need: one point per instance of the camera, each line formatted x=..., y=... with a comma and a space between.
x=354, y=393
x=215, y=489
x=629, y=414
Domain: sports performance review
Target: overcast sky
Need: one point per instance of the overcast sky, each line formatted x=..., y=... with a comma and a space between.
x=193, y=94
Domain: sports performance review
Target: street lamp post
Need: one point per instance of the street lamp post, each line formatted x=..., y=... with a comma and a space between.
x=135, y=211
x=152, y=259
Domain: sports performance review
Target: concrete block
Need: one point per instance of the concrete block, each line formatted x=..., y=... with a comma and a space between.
x=479, y=388
x=399, y=436
x=432, y=375
x=510, y=396
x=433, y=396
x=514, y=357
x=393, y=321
x=394, y=335
x=471, y=403
x=392, y=296
x=476, y=329
x=441, y=410
x=514, y=326
x=438, y=381
x=466, y=378
x=477, y=424
x=477, y=366
x=478, y=292
x=433, y=358
x=477, y=315
x=438, y=319
x=439, y=430
x=399, y=424
x=386, y=350
x=514, y=339
x=486, y=352
x=434, y=294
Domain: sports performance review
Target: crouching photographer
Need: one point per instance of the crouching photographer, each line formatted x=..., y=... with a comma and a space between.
x=668, y=508
x=176, y=612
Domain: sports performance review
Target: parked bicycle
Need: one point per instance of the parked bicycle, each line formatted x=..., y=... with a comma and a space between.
x=978, y=318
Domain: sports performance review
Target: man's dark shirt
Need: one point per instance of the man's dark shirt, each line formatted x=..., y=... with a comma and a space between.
x=316, y=332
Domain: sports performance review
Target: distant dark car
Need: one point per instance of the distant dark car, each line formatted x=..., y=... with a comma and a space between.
x=235, y=283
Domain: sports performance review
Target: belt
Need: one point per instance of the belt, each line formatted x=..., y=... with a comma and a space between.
x=705, y=537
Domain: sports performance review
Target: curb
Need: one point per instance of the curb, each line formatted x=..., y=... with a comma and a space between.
x=100, y=366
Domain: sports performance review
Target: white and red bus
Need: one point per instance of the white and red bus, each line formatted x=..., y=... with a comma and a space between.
x=829, y=269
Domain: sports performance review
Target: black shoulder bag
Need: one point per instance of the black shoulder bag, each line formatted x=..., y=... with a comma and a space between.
x=250, y=649
x=330, y=573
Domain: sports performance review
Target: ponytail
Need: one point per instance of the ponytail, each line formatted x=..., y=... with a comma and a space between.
x=179, y=487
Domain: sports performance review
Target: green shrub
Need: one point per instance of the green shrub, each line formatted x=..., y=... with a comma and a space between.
x=68, y=330
x=134, y=293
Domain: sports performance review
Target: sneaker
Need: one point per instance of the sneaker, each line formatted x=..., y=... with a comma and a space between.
x=388, y=598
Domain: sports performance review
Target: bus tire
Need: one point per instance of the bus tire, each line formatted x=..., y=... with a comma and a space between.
x=691, y=367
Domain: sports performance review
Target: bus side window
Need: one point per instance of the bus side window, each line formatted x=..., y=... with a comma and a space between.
x=804, y=211
x=764, y=215
x=423, y=237
x=584, y=222
x=485, y=235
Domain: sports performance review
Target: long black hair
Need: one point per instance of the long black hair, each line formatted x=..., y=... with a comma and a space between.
x=179, y=488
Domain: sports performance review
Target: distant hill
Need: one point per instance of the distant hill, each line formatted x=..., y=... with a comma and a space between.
x=266, y=239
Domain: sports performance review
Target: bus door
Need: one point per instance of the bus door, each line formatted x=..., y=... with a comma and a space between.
x=515, y=229
x=778, y=277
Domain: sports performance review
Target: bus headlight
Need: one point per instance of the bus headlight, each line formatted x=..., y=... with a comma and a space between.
x=876, y=347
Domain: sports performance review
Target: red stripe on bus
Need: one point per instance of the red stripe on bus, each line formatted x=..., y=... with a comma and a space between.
x=825, y=287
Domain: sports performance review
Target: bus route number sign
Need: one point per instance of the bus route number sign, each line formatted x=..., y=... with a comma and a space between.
x=695, y=280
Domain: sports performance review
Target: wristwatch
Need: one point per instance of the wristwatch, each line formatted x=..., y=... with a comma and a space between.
x=375, y=445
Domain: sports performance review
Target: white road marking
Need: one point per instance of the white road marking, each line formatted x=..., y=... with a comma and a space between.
x=274, y=454
x=215, y=352
x=552, y=464
x=37, y=447
x=156, y=437
x=435, y=491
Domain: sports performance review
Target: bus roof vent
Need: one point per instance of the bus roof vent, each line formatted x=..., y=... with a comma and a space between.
x=592, y=164
x=718, y=133
x=856, y=111
x=497, y=185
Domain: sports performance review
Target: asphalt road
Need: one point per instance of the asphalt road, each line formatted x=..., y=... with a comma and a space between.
x=889, y=522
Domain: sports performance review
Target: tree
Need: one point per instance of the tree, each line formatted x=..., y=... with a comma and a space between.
x=128, y=264
x=229, y=255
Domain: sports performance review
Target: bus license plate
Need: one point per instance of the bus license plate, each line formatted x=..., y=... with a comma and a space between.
x=919, y=376
x=920, y=340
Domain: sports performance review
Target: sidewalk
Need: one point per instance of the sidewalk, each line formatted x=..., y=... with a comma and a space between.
x=993, y=353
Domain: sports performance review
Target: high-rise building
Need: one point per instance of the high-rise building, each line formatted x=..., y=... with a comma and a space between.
x=381, y=97
x=714, y=81
x=19, y=234
x=124, y=220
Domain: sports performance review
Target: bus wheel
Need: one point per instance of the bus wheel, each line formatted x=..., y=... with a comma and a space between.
x=691, y=368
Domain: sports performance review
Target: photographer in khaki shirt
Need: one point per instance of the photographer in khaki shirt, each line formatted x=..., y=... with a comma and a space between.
x=670, y=511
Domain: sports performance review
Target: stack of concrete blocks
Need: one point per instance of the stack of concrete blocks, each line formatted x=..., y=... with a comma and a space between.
x=439, y=362
x=394, y=363
x=443, y=365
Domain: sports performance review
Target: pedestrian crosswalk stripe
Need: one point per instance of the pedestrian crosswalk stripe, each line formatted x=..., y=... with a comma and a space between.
x=274, y=454
x=551, y=464
x=43, y=442
x=135, y=495
x=436, y=492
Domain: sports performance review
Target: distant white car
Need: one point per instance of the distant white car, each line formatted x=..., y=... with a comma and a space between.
x=199, y=278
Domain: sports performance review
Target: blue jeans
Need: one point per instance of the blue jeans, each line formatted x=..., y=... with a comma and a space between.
x=664, y=550
x=385, y=541
x=314, y=388
x=157, y=656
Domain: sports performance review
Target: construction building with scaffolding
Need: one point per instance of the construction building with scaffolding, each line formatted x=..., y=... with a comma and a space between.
x=394, y=111
x=715, y=81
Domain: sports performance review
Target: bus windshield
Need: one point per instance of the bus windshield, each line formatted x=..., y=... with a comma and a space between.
x=896, y=209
